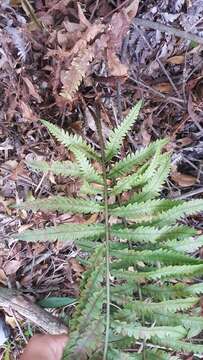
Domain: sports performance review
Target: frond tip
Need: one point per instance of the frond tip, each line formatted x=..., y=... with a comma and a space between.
x=117, y=135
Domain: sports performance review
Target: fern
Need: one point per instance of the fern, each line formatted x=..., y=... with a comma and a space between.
x=139, y=295
x=117, y=135
x=64, y=204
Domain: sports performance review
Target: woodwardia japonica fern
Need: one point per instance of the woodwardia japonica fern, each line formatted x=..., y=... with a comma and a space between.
x=139, y=296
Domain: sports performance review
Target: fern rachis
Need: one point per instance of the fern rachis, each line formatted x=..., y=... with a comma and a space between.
x=133, y=290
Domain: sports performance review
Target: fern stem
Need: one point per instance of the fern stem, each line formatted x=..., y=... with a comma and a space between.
x=107, y=232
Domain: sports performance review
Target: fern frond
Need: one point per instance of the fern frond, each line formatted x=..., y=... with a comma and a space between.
x=131, y=258
x=155, y=182
x=64, y=168
x=166, y=307
x=64, y=204
x=72, y=142
x=186, y=208
x=164, y=273
x=127, y=183
x=151, y=234
x=146, y=333
x=146, y=211
x=139, y=290
x=74, y=76
x=179, y=345
x=91, y=189
x=86, y=169
x=81, y=345
x=167, y=292
x=193, y=324
x=189, y=245
x=88, y=315
x=64, y=232
x=152, y=354
x=117, y=135
x=126, y=165
x=91, y=282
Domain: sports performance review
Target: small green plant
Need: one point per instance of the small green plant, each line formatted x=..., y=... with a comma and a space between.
x=139, y=293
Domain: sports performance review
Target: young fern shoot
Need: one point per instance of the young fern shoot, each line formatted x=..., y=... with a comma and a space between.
x=134, y=301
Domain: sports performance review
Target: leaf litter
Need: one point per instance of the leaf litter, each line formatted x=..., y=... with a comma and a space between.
x=53, y=66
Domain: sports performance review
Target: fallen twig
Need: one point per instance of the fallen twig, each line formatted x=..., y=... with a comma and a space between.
x=40, y=317
x=168, y=29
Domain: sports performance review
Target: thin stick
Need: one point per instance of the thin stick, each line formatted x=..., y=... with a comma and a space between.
x=188, y=194
x=168, y=29
x=107, y=235
x=18, y=325
x=159, y=62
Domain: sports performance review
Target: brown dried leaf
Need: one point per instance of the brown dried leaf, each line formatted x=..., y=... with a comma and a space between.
x=32, y=90
x=132, y=9
x=83, y=20
x=11, y=266
x=176, y=60
x=183, y=180
x=72, y=78
x=164, y=87
x=117, y=30
x=115, y=66
x=76, y=267
x=3, y=277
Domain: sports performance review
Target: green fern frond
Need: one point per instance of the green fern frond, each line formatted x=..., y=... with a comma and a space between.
x=151, y=234
x=64, y=232
x=167, y=257
x=126, y=165
x=167, y=292
x=88, y=314
x=64, y=168
x=166, y=307
x=164, y=273
x=86, y=169
x=185, y=209
x=81, y=345
x=151, y=176
x=155, y=183
x=179, y=345
x=91, y=189
x=116, y=137
x=151, y=354
x=72, y=142
x=127, y=183
x=189, y=245
x=140, y=290
x=146, y=333
x=91, y=283
x=146, y=211
x=193, y=324
x=63, y=204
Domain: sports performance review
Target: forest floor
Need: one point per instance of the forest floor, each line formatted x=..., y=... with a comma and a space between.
x=58, y=59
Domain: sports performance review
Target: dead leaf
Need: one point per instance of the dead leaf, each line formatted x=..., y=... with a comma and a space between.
x=3, y=277
x=27, y=112
x=115, y=66
x=82, y=18
x=183, y=180
x=176, y=60
x=132, y=9
x=32, y=90
x=92, y=219
x=12, y=266
x=164, y=87
x=76, y=267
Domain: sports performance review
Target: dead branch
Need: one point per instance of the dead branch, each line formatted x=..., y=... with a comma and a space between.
x=168, y=29
x=24, y=307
